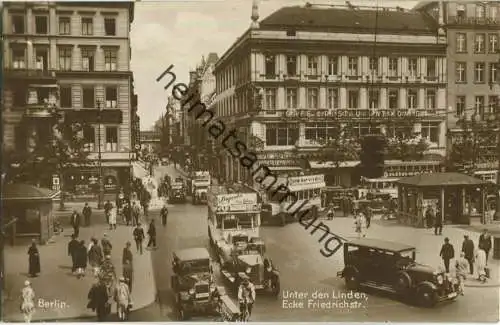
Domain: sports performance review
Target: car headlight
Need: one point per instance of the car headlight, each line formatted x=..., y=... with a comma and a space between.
x=440, y=279
x=191, y=291
x=248, y=270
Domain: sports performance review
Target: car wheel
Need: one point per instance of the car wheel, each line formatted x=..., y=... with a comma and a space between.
x=426, y=296
x=276, y=288
x=351, y=279
x=403, y=284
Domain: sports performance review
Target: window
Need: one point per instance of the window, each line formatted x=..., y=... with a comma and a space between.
x=352, y=67
x=430, y=99
x=270, y=66
x=461, y=11
x=493, y=43
x=493, y=13
x=373, y=66
x=110, y=60
x=479, y=105
x=270, y=99
x=66, y=98
x=87, y=26
x=493, y=77
x=461, y=45
x=320, y=131
x=412, y=98
x=461, y=72
x=87, y=59
x=333, y=65
x=41, y=25
x=89, y=138
x=281, y=134
x=373, y=98
x=88, y=97
x=18, y=58
x=111, y=97
x=353, y=98
x=111, y=138
x=492, y=104
x=65, y=58
x=18, y=24
x=333, y=97
x=109, y=26
x=430, y=131
x=393, y=67
x=480, y=11
x=291, y=97
x=479, y=72
x=393, y=98
x=291, y=65
x=64, y=26
x=312, y=66
x=431, y=67
x=460, y=105
x=312, y=98
x=479, y=43
x=412, y=66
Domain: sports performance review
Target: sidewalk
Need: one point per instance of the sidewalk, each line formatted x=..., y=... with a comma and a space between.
x=427, y=244
x=57, y=285
x=139, y=170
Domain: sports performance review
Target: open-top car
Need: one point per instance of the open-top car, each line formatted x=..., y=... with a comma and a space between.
x=391, y=267
x=193, y=283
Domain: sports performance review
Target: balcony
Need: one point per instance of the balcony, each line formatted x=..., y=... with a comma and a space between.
x=472, y=21
x=111, y=116
x=39, y=110
x=38, y=74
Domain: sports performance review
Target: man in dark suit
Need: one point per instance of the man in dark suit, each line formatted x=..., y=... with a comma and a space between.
x=485, y=243
x=73, y=247
x=468, y=250
x=75, y=223
x=87, y=212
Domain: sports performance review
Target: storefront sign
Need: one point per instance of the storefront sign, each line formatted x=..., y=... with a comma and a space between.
x=56, y=186
x=401, y=173
x=358, y=114
x=279, y=163
x=275, y=155
x=237, y=202
x=110, y=183
x=303, y=180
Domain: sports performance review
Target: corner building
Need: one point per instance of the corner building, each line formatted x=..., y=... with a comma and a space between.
x=75, y=56
x=289, y=80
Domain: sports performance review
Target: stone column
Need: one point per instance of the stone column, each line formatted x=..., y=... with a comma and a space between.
x=421, y=99
x=402, y=98
x=342, y=98
x=322, y=98
x=363, y=98
x=383, y=98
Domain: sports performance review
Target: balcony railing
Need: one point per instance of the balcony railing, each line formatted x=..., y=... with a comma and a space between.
x=29, y=73
x=460, y=20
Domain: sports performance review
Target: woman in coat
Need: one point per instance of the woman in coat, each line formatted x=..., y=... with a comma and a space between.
x=28, y=301
x=122, y=298
x=33, y=260
x=95, y=256
x=112, y=218
x=81, y=259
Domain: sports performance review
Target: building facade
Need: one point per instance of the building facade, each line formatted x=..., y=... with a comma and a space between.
x=73, y=57
x=302, y=72
x=473, y=31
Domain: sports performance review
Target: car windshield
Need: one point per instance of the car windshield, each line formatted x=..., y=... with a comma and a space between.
x=194, y=266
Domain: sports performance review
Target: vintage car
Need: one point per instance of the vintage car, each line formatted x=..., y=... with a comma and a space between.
x=391, y=267
x=193, y=283
x=247, y=260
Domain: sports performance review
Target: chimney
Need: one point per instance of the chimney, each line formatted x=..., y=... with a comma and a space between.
x=255, y=14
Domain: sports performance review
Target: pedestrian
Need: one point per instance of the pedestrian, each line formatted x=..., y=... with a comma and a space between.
x=75, y=223
x=331, y=213
x=112, y=218
x=127, y=254
x=164, y=215
x=107, y=207
x=28, y=301
x=468, y=249
x=108, y=272
x=438, y=223
x=128, y=273
x=429, y=216
x=358, y=222
x=368, y=216
x=485, y=243
x=87, y=213
x=447, y=253
x=122, y=298
x=98, y=300
x=72, y=251
x=139, y=236
x=136, y=213
x=481, y=265
x=461, y=269
x=127, y=213
x=33, y=260
x=106, y=245
x=81, y=260
x=95, y=256
x=152, y=234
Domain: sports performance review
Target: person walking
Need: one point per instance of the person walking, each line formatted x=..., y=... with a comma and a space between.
x=75, y=223
x=331, y=212
x=368, y=217
x=136, y=213
x=461, y=269
x=152, y=234
x=122, y=298
x=128, y=273
x=112, y=218
x=429, y=216
x=107, y=207
x=447, y=253
x=72, y=251
x=358, y=223
x=468, y=250
x=139, y=236
x=106, y=245
x=438, y=223
x=33, y=259
x=95, y=256
x=87, y=213
x=27, y=301
x=127, y=254
x=164, y=215
x=485, y=243
x=127, y=214
x=98, y=300
x=81, y=260
x=481, y=265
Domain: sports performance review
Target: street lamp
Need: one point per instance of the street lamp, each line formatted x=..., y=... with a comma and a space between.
x=100, y=198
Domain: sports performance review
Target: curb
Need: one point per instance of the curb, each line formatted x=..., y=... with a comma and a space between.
x=481, y=285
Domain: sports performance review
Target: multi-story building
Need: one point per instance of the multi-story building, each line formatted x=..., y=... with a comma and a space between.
x=289, y=81
x=150, y=142
x=473, y=31
x=73, y=57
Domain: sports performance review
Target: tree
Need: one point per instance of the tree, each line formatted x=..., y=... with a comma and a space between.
x=404, y=143
x=341, y=145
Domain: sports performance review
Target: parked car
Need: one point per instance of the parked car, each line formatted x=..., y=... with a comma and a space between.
x=391, y=267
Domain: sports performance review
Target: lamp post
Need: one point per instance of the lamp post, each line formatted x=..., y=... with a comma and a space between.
x=496, y=216
x=100, y=198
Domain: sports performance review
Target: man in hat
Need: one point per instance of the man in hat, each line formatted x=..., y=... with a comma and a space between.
x=72, y=251
x=139, y=236
x=106, y=245
x=468, y=250
x=75, y=223
x=485, y=243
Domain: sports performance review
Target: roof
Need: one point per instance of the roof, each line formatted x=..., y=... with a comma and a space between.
x=381, y=244
x=27, y=192
x=192, y=254
x=440, y=179
x=348, y=19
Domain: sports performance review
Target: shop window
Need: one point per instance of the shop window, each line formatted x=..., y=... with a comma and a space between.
x=281, y=135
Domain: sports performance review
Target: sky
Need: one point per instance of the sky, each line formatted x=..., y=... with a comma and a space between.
x=181, y=32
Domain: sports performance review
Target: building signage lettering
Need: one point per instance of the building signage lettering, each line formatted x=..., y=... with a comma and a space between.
x=357, y=113
x=302, y=180
x=278, y=162
x=236, y=199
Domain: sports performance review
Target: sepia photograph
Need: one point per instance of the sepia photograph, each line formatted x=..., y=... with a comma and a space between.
x=250, y=161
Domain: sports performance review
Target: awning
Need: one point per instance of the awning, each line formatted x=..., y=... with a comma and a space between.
x=331, y=164
x=303, y=187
